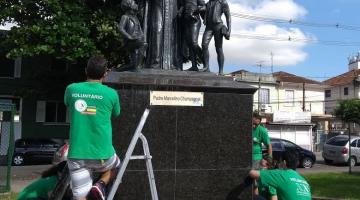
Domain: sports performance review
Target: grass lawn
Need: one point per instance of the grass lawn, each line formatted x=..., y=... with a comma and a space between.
x=335, y=185
x=13, y=196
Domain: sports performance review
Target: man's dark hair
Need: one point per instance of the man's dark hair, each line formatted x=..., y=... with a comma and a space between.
x=96, y=67
x=291, y=158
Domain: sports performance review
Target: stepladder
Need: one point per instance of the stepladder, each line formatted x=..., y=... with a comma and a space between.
x=63, y=184
x=128, y=156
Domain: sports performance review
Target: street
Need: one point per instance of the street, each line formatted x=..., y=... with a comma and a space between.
x=320, y=166
x=23, y=175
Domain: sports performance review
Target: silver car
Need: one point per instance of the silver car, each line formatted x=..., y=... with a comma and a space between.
x=336, y=150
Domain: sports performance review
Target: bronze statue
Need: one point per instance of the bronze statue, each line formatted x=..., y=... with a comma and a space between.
x=215, y=27
x=167, y=33
x=189, y=13
x=130, y=28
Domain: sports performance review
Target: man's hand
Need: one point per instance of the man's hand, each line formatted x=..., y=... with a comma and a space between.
x=227, y=35
x=255, y=174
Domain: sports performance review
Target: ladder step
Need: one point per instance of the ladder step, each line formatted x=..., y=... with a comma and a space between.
x=140, y=157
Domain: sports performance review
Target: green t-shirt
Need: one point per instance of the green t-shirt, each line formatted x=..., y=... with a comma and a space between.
x=266, y=191
x=91, y=106
x=260, y=136
x=288, y=183
x=38, y=189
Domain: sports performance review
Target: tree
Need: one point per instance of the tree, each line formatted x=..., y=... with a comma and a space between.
x=69, y=30
x=349, y=111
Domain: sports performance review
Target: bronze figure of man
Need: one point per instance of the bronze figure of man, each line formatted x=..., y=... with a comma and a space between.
x=215, y=27
x=190, y=13
x=130, y=28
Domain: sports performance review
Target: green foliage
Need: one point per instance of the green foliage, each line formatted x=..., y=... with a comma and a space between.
x=349, y=111
x=69, y=30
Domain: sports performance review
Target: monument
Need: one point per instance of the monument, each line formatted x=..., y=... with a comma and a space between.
x=199, y=126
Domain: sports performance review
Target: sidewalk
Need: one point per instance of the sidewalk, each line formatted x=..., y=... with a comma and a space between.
x=24, y=175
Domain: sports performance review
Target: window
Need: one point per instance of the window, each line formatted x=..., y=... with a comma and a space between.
x=52, y=112
x=289, y=144
x=327, y=93
x=276, y=144
x=354, y=143
x=7, y=115
x=346, y=91
x=264, y=96
x=338, y=141
x=289, y=97
x=10, y=68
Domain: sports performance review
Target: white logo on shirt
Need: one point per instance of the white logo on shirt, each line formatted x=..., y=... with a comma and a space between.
x=80, y=105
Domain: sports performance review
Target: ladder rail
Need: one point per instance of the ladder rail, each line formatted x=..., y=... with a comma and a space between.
x=149, y=167
x=128, y=155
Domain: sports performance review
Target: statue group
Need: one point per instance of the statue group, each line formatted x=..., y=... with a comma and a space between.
x=163, y=34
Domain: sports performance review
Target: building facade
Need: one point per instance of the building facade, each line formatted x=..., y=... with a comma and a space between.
x=286, y=94
x=282, y=91
x=36, y=87
x=343, y=87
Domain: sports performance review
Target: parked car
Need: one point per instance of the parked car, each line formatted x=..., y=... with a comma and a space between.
x=61, y=154
x=336, y=150
x=34, y=150
x=280, y=146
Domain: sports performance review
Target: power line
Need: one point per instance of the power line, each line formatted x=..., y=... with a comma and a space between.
x=294, y=39
x=295, y=22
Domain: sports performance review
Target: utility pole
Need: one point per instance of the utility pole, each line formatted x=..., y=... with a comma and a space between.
x=303, y=107
x=272, y=62
x=259, y=64
x=349, y=124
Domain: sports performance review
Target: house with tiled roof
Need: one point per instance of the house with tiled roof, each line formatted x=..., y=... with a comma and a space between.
x=290, y=103
x=343, y=87
x=283, y=91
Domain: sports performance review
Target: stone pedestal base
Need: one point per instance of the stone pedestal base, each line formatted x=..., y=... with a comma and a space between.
x=198, y=152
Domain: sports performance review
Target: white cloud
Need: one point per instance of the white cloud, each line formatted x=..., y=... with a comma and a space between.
x=240, y=51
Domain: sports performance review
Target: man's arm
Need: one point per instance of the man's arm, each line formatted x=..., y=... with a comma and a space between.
x=266, y=141
x=122, y=30
x=270, y=150
x=255, y=174
x=226, y=11
x=274, y=197
x=116, y=108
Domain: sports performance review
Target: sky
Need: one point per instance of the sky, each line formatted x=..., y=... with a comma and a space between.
x=312, y=59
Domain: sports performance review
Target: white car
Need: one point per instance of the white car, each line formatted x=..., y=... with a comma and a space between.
x=336, y=150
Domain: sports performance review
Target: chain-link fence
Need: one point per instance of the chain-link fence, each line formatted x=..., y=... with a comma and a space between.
x=7, y=112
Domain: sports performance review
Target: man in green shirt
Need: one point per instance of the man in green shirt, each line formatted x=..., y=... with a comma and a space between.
x=42, y=187
x=260, y=136
x=91, y=105
x=289, y=185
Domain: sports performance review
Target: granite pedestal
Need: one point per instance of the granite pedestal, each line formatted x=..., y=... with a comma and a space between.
x=198, y=152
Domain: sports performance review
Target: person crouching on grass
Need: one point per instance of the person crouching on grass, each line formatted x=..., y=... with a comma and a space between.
x=289, y=184
x=91, y=105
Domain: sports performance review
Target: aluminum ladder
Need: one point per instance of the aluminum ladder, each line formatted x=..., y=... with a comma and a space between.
x=128, y=156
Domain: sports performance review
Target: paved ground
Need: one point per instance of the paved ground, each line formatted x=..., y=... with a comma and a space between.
x=320, y=166
x=23, y=175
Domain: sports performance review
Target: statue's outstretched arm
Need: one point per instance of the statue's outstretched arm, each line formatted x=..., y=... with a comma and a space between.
x=122, y=30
